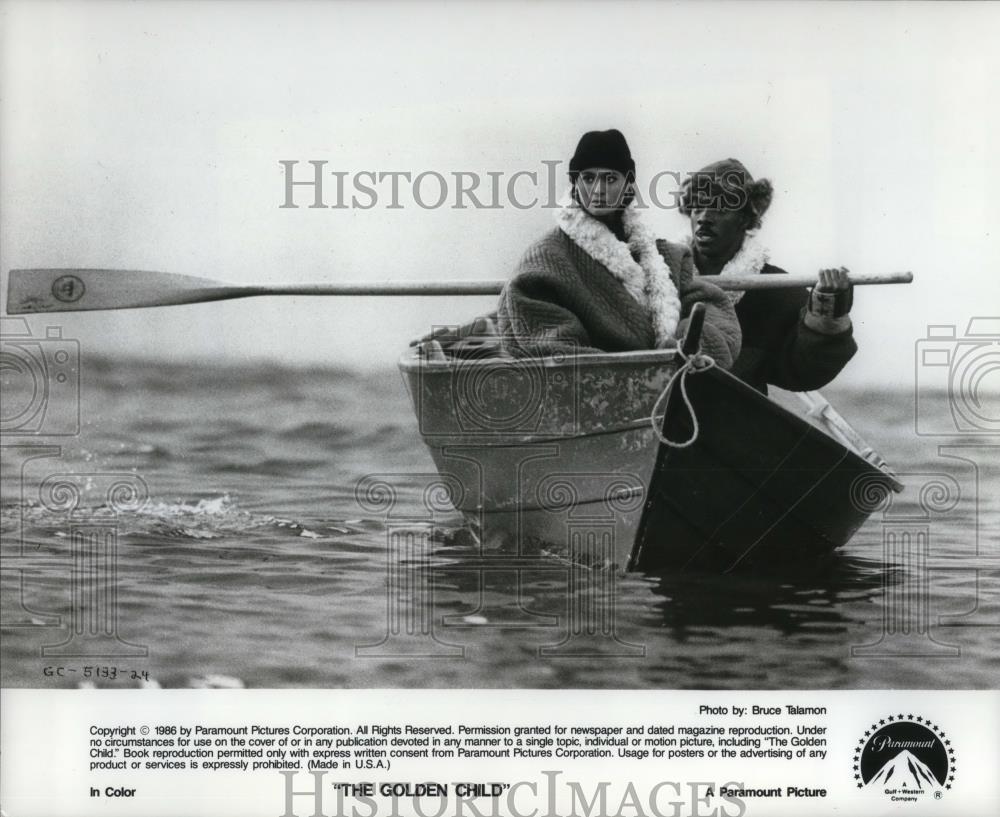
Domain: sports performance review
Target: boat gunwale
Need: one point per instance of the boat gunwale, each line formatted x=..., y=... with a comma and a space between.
x=751, y=393
x=412, y=361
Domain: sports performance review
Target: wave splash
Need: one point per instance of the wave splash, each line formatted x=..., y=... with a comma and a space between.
x=207, y=518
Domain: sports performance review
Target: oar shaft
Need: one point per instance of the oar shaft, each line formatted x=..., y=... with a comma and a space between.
x=742, y=283
x=745, y=283
x=378, y=288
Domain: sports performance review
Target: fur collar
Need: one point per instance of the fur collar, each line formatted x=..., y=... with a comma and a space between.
x=749, y=260
x=648, y=281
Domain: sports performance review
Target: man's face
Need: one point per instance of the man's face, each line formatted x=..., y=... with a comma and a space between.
x=717, y=230
x=601, y=191
x=717, y=211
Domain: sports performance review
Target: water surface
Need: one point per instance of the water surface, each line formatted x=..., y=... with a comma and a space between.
x=245, y=558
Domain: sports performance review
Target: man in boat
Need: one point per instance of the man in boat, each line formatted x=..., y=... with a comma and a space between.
x=796, y=339
x=601, y=280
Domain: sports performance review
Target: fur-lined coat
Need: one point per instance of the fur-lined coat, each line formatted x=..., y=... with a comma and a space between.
x=580, y=288
x=779, y=347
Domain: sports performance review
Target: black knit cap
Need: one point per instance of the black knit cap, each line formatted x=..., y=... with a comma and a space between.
x=602, y=148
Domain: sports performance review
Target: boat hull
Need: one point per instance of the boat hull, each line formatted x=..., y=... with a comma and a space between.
x=544, y=453
x=560, y=455
x=760, y=486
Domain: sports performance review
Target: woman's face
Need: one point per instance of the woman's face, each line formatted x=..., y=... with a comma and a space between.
x=601, y=191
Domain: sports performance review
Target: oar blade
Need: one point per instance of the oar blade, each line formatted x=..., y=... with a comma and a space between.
x=76, y=290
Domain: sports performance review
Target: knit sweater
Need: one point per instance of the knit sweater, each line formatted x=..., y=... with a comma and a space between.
x=562, y=298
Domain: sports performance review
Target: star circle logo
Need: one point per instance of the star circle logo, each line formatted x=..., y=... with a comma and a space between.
x=906, y=758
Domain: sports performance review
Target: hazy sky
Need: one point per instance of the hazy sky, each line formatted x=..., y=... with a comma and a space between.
x=149, y=135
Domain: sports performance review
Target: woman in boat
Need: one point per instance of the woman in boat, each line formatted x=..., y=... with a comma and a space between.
x=795, y=339
x=601, y=281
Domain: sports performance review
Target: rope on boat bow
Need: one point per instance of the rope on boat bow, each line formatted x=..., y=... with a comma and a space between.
x=695, y=362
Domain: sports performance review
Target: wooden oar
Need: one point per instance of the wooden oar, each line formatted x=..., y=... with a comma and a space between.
x=75, y=290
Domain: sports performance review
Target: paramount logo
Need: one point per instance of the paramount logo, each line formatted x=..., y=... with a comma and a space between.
x=905, y=771
x=906, y=758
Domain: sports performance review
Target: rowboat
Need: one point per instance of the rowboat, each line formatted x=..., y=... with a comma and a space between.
x=571, y=452
x=568, y=453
